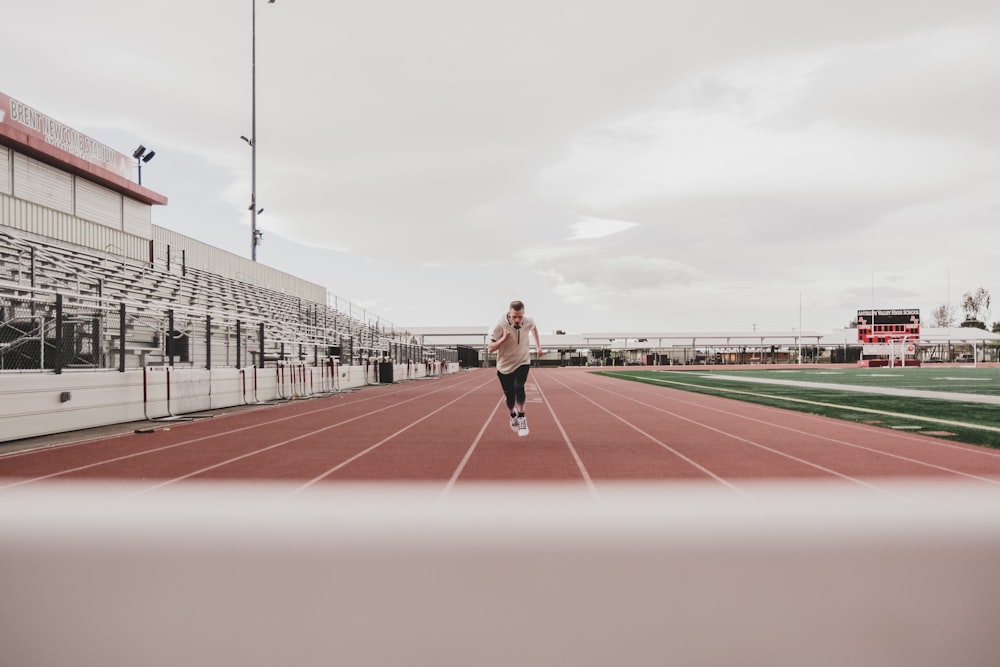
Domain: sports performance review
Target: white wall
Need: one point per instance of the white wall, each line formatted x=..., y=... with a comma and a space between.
x=31, y=403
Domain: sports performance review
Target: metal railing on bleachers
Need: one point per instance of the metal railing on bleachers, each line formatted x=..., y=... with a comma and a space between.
x=116, y=313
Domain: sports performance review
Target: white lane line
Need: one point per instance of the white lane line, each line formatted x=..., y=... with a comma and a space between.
x=808, y=434
x=378, y=444
x=857, y=446
x=468, y=454
x=569, y=443
x=863, y=389
x=222, y=434
x=659, y=442
x=976, y=450
x=851, y=408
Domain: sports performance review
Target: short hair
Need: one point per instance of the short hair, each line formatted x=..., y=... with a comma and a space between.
x=517, y=305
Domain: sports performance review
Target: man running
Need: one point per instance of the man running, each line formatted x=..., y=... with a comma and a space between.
x=509, y=339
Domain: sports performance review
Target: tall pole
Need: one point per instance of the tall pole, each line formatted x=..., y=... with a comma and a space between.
x=253, y=132
x=800, y=327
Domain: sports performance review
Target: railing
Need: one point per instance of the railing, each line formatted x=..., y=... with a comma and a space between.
x=228, y=325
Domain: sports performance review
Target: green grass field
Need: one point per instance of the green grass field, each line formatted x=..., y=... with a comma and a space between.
x=846, y=393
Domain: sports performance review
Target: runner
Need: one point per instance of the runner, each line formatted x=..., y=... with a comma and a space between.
x=509, y=339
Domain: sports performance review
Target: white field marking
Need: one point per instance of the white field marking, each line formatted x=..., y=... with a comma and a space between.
x=569, y=443
x=834, y=440
x=378, y=444
x=861, y=389
x=214, y=435
x=953, y=379
x=659, y=442
x=468, y=454
x=747, y=440
x=884, y=413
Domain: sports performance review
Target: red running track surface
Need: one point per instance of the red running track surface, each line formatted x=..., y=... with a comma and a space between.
x=586, y=430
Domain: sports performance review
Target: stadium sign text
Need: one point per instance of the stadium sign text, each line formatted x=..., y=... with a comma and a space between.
x=63, y=137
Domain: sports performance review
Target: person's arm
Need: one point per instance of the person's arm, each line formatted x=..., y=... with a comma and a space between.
x=495, y=344
x=538, y=341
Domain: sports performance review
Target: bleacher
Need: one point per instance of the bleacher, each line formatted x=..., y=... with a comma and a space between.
x=164, y=301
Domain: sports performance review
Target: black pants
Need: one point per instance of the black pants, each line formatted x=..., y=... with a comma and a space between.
x=513, y=385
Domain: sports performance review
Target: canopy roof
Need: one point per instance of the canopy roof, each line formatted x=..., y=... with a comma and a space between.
x=476, y=336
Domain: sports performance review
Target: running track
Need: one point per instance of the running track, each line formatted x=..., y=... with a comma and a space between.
x=586, y=431
x=893, y=563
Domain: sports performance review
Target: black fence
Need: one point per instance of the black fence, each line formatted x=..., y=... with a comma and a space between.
x=56, y=332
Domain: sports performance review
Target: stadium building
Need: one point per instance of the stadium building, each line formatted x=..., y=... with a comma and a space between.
x=89, y=286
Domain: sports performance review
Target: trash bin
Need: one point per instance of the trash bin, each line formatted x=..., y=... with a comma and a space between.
x=385, y=372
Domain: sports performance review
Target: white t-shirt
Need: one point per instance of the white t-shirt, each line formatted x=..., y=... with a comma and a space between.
x=516, y=350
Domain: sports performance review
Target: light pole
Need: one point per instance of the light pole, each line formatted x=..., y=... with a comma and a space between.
x=254, y=234
x=141, y=156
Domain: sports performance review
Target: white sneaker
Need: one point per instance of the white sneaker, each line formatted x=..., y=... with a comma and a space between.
x=513, y=422
x=522, y=426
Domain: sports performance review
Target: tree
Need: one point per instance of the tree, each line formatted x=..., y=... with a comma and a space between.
x=944, y=315
x=976, y=304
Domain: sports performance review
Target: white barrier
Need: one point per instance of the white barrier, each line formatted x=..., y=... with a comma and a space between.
x=818, y=575
x=34, y=404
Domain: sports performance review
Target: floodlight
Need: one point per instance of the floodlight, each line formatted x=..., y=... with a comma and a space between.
x=141, y=156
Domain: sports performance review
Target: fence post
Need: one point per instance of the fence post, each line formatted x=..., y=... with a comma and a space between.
x=208, y=342
x=57, y=360
x=32, y=276
x=121, y=337
x=260, y=337
x=170, y=332
x=238, y=332
x=96, y=351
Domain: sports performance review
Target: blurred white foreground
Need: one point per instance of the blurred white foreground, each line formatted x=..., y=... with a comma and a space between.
x=500, y=575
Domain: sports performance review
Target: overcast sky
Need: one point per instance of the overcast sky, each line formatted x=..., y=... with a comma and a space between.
x=619, y=165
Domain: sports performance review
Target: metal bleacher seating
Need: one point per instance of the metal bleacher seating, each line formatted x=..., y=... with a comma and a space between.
x=32, y=270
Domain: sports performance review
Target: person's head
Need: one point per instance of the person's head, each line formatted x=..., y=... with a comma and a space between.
x=516, y=313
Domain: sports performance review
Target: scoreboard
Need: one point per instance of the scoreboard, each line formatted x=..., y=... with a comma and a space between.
x=886, y=326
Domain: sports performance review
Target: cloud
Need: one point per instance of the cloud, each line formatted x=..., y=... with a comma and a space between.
x=583, y=276
x=727, y=134
x=596, y=228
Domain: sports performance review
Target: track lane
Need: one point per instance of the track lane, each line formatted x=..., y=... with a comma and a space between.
x=177, y=450
x=617, y=444
x=544, y=455
x=854, y=450
x=881, y=450
x=586, y=430
x=423, y=443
